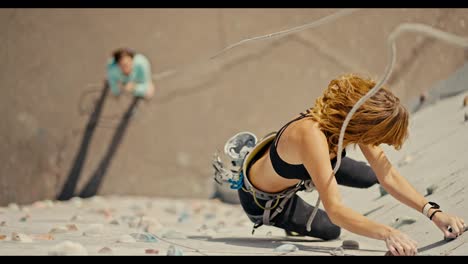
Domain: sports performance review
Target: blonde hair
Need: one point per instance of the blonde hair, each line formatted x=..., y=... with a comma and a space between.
x=381, y=119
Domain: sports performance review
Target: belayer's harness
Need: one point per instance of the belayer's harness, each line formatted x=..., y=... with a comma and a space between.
x=242, y=153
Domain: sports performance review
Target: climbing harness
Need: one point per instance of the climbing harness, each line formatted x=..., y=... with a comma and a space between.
x=237, y=177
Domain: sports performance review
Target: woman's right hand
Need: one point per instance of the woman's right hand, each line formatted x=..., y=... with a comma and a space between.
x=400, y=244
x=443, y=221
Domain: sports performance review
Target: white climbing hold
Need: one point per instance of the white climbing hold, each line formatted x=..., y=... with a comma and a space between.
x=76, y=218
x=58, y=230
x=77, y=202
x=286, y=248
x=49, y=203
x=171, y=234
x=174, y=251
x=39, y=204
x=133, y=223
x=149, y=224
x=20, y=237
x=126, y=239
x=98, y=201
x=339, y=251
x=13, y=207
x=94, y=230
x=68, y=248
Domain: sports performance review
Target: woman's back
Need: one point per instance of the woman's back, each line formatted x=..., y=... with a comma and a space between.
x=263, y=174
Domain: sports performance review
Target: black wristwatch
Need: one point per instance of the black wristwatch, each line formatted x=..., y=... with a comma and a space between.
x=428, y=206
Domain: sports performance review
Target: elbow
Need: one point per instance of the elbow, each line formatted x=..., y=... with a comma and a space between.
x=333, y=212
x=335, y=218
x=387, y=181
x=388, y=177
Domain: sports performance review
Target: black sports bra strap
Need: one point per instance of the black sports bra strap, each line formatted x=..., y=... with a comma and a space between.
x=280, y=132
x=307, y=111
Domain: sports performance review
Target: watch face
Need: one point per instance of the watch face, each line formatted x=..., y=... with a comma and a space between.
x=434, y=205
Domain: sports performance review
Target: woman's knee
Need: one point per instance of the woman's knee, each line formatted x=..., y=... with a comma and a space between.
x=325, y=228
x=322, y=227
x=331, y=233
x=370, y=180
x=356, y=174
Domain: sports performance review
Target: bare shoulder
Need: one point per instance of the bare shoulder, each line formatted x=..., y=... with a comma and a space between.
x=309, y=131
x=310, y=139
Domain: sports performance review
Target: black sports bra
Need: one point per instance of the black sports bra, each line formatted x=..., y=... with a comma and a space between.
x=286, y=170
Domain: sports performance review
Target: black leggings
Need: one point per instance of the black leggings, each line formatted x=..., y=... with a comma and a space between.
x=296, y=212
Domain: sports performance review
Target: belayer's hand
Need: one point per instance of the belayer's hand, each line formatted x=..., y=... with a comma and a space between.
x=129, y=87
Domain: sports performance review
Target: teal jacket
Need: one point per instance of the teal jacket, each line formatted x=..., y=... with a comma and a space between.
x=140, y=75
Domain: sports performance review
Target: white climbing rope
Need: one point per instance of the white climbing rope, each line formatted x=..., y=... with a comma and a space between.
x=405, y=27
x=274, y=35
x=286, y=32
x=408, y=27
